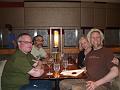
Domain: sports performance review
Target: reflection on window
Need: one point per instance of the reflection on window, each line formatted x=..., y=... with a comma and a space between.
x=71, y=37
x=1, y=38
x=45, y=35
x=112, y=37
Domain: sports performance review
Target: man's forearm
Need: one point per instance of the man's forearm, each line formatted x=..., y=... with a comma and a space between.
x=111, y=75
x=36, y=72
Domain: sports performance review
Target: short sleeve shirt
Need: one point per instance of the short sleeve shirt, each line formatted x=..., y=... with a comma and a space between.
x=15, y=71
x=98, y=63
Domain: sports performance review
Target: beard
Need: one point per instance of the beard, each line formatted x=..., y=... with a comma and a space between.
x=96, y=45
x=39, y=45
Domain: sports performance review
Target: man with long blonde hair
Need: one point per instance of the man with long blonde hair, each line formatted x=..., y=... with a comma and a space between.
x=100, y=68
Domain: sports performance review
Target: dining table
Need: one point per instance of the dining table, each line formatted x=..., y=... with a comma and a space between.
x=60, y=75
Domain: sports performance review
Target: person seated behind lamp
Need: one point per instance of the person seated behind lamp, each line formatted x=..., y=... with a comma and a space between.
x=17, y=71
x=37, y=49
x=11, y=38
x=78, y=84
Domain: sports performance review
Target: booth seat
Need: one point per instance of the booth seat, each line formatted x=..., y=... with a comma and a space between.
x=2, y=63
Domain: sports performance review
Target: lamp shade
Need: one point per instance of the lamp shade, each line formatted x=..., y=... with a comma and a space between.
x=56, y=38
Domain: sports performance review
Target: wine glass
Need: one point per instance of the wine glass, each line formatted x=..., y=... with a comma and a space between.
x=65, y=64
x=56, y=67
x=49, y=63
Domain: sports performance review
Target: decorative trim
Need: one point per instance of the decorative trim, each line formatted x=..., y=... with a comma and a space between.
x=113, y=28
x=11, y=4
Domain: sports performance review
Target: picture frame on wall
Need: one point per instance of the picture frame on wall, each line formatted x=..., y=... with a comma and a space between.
x=70, y=38
x=45, y=35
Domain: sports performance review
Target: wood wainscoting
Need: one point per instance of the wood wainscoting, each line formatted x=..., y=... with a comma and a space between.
x=65, y=50
x=7, y=51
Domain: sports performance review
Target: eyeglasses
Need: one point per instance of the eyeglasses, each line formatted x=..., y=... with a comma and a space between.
x=39, y=40
x=26, y=42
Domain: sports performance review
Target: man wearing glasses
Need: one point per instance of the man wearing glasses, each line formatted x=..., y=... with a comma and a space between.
x=16, y=72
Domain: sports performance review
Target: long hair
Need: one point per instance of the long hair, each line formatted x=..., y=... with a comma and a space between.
x=95, y=30
x=80, y=46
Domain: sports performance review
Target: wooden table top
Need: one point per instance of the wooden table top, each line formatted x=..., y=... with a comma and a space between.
x=70, y=67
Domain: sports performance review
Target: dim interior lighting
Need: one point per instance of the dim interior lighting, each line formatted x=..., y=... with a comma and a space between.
x=35, y=33
x=76, y=33
x=56, y=38
x=1, y=36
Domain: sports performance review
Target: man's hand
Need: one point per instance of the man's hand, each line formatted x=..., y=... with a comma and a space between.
x=91, y=85
x=37, y=63
x=36, y=72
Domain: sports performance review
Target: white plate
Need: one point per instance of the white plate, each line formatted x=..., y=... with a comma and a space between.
x=49, y=73
x=70, y=64
x=72, y=72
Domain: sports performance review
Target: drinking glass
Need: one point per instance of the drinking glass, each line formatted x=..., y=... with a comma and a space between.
x=49, y=63
x=65, y=64
x=56, y=68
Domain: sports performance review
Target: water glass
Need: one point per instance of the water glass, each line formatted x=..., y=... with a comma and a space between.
x=49, y=63
x=65, y=64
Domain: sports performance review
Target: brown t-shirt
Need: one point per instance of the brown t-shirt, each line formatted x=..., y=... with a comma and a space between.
x=98, y=63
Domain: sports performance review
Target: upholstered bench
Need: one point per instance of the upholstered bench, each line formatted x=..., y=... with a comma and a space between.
x=2, y=63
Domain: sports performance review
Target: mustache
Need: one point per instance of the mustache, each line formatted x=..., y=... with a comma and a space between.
x=39, y=45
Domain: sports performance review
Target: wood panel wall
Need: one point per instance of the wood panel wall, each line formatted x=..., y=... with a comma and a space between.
x=81, y=14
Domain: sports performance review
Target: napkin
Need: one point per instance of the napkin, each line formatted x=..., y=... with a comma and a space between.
x=72, y=72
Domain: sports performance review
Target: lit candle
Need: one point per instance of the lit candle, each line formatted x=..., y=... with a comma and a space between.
x=56, y=38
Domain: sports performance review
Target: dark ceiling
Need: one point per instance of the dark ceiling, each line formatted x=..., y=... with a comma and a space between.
x=58, y=0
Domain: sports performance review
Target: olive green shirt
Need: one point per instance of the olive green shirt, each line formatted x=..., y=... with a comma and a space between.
x=15, y=71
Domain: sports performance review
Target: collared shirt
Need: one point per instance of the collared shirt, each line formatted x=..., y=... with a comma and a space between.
x=15, y=73
x=41, y=53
